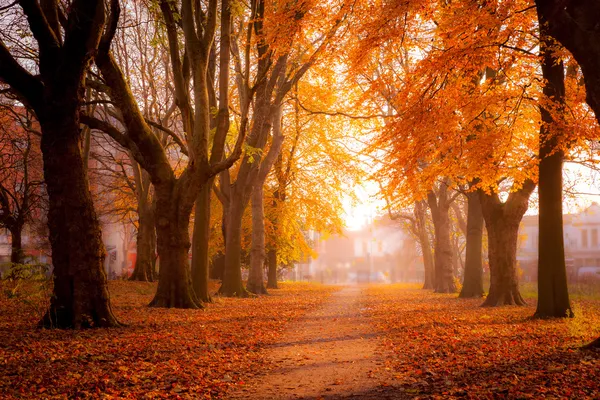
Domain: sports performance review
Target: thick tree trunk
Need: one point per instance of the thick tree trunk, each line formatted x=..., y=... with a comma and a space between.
x=200, y=241
x=17, y=255
x=473, y=277
x=257, y=257
x=80, y=296
x=502, y=222
x=553, y=292
x=146, y=247
x=173, y=244
x=504, y=281
x=232, y=284
x=420, y=216
x=272, y=268
x=575, y=25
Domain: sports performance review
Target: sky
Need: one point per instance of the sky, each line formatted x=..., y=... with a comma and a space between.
x=583, y=181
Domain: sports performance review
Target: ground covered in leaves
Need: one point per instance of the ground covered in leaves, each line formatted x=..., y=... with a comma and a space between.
x=420, y=345
x=161, y=353
x=443, y=347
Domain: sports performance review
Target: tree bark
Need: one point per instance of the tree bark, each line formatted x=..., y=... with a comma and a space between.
x=146, y=246
x=502, y=221
x=440, y=207
x=232, y=284
x=473, y=276
x=575, y=25
x=81, y=296
x=200, y=241
x=17, y=255
x=553, y=292
x=272, y=269
x=421, y=222
x=257, y=256
x=173, y=244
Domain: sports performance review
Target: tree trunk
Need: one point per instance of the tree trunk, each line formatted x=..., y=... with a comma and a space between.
x=444, y=276
x=146, y=246
x=200, y=241
x=257, y=257
x=575, y=25
x=173, y=244
x=428, y=265
x=217, y=266
x=17, y=255
x=502, y=242
x=232, y=284
x=502, y=222
x=272, y=265
x=473, y=277
x=553, y=292
x=80, y=296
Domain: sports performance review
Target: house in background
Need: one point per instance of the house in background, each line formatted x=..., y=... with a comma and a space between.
x=380, y=252
x=582, y=245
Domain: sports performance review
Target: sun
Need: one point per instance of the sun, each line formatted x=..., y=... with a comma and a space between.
x=363, y=208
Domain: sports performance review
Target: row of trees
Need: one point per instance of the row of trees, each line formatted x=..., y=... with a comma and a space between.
x=481, y=99
x=216, y=105
x=183, y=90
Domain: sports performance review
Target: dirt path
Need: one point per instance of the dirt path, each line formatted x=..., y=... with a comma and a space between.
x=332, y=353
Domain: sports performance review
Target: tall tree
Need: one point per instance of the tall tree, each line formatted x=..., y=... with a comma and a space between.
x=175, y=195
x=553, y=293
x=276, y=74
x=439, y=204
x=575, y=25
x=473, y=275
x=257, y=253
x=80, y=297
x=502, y=221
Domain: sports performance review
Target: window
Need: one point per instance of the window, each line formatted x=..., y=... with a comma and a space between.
x=584, y=238
x=594, y=237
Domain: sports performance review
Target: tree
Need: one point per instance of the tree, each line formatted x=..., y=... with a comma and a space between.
x=502, y=221
x=175, y=195
x=553, y=293
x=276, y=74
x=574, y=24
x=64, y=50
x=473, y=275
x=439, y=204
x=257, y=253
x=21, y=183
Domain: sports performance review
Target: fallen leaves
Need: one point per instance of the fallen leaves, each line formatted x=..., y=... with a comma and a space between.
x=161, y=353
x=442, y=346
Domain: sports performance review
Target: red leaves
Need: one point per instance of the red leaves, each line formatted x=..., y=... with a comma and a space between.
x=446, y=347
x=162, y=353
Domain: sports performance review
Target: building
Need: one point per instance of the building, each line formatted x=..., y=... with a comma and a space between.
x=582, y=245
x=380, y=252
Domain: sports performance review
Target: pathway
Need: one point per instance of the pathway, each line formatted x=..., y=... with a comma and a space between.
x=331, y=353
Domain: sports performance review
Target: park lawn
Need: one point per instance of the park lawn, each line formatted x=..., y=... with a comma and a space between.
x=161, y=353
x=442, y=346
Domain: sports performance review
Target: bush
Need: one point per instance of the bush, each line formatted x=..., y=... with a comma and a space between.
x=28, y=284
